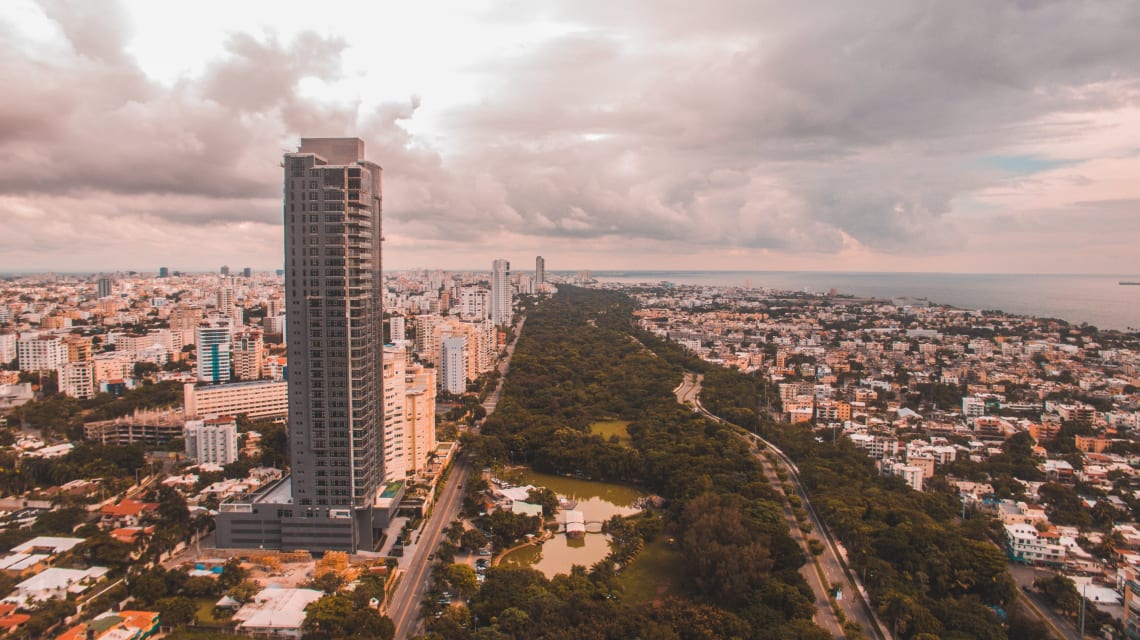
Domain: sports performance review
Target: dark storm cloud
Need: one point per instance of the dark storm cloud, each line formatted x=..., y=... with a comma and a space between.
x=748, y=124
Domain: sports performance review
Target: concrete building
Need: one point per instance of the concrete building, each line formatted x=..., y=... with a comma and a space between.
x=214, y=351
x=77, y=379
x=474, y=303
x=335, y=498
x=246, y=354
x=539, y=271
x=395, y=400
x=103, y=287
x=1026, y=544
x=40, y=352
x=501, y=292
x=8, y=350
x=154, y=426
x=419, y=418
x=276, y=612
x=397, y=328
x=213, y=440
x=453, y=378
x=261, y=399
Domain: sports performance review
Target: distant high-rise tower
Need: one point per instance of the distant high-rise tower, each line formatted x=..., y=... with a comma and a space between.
x=246, y=272
x=103, y=287
x=501, y=292
x=539, y=271
x=454, y=360
x=164, y=272
x=333, y=293
x=225, y=270
x=214, y=351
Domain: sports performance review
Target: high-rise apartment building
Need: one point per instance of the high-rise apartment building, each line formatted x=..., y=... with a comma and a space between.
x=454, y=365
x=419, y=418
x=7, y=347
x=501, y=292
x=246, y=353
x=214, y=351
x=539, y=271
x=335, y=498
x=103, y=287
x=397, y=328
x=77, y=379
x=213, y=440
x=40, y=352
x=395, y=392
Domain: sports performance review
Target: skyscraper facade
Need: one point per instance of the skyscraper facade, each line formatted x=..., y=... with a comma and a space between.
x=501, y=292
x=454, y=369
x=333, y=298
x=214, y=342
x=333, y=293
x=103, y=287
x=539, y=271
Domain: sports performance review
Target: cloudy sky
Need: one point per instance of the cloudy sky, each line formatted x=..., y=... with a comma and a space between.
x=971, y=136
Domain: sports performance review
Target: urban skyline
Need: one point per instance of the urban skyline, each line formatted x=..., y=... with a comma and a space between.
x=952, y=138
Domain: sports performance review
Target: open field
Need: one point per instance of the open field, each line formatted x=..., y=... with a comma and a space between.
x=653, y=575
x=609, y=428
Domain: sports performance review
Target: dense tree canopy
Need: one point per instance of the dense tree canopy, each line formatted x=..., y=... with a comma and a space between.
x=581, y=360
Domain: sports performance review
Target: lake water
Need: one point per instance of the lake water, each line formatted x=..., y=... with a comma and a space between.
x=598, y=501
x=1096, y=299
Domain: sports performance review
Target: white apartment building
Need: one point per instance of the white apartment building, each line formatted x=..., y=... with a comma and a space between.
x=395, y=435
x=40, y=352
x=973, y=407
x=397, y=328
x=419, y=417
x=474, y=303
x=1030, y=546
x=454, y=365
x=112, y=366
x=77, y=379
x=214, y=351
x=8, y=351
x=501, y=292
x=261, y=399
x=213, y=440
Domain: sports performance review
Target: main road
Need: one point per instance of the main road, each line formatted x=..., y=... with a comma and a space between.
x=835, y=569
x=403, y=608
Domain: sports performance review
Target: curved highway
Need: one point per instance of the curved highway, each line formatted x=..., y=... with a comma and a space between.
x=853, y=603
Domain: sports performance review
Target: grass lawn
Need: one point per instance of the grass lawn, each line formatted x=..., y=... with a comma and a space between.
x=205, y=614
x=608, y=428
x=654, y=574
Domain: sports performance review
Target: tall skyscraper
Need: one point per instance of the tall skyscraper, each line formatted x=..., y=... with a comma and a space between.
x=164, y=272
x=103, y=286
x=333, y=292
x=539, y=271
x=501, y=292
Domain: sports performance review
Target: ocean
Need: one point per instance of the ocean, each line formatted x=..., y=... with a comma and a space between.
x=1098, y=300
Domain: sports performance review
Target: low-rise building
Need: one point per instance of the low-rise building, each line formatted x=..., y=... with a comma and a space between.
x=276, y=612
x=1027, y=544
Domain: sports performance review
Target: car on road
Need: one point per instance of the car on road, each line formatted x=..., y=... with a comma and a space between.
x=431, y=556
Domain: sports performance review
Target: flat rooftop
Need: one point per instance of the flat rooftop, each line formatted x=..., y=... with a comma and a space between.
x=280, y=492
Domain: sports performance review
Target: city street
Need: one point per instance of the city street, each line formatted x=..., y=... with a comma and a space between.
x=404, y=608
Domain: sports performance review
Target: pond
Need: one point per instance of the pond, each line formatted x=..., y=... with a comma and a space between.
x=598, y=501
